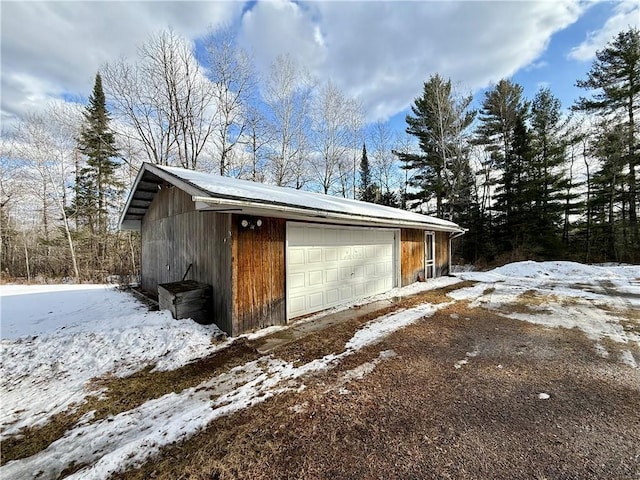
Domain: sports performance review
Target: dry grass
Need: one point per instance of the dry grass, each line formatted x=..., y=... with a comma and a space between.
x=416, y=416
x=33, y=440
x=121, y=394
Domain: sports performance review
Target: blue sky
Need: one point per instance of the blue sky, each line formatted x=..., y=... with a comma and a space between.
x=380, y=52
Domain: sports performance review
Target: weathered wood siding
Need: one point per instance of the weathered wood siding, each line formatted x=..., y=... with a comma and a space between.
x=258, y=274
x=442, y=254
x=175, y=235
x=411, y=255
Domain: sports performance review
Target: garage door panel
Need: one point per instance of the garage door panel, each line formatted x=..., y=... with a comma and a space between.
x=296, y=256
x=297, y=280
x=331, y=275
x=358, y=272
x=328, y=266
x=331, y=254
x=316, y=278
x=345, y=273
x=332, y=296
x=297, y=305
x=314, y=255
x=346, y=293
x=316, y=300
x=295, y=237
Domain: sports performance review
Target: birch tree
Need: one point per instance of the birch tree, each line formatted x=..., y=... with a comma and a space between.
x=334, y=120
x=46, y=145
x=233, y=84
x=287, y=94
x=166, y=98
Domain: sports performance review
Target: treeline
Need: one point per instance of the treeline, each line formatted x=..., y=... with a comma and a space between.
x=526, y=179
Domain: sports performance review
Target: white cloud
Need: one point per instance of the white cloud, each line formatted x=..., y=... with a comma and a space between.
x=627, y=14
x=382, y=52
x=56, y=48
x=280, y=27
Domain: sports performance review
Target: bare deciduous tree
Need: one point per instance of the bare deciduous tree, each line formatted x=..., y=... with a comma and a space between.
x=234, y=82
x=335, y=117
x=287, y=95
x=166, y=98
x=46, y=144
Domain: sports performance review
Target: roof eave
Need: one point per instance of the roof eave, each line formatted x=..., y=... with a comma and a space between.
x=125, y=223
x=208, y=203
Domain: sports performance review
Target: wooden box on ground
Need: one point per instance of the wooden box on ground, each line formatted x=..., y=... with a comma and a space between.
x=187, y=299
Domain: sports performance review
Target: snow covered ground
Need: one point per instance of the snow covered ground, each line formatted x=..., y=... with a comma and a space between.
x=561, y=294
x=56, y=338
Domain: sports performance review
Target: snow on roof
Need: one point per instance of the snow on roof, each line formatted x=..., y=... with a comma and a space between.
x=216, y=186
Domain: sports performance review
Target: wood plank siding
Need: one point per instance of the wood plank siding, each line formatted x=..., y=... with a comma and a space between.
x=175, y=235
x=442, y=254
x=411, y=255
x=245, y=267
x=258, y=274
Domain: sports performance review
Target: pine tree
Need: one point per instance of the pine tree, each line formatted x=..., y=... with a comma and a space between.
x=608, y=192
x=388, y=198
x=97, y=182
x=502, y=110
x=368, y=190
x=439, y=122
x=523, y=191
x=615, y=78
x=547, y=181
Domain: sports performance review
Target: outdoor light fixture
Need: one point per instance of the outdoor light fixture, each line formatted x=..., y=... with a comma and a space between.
x=250, y=223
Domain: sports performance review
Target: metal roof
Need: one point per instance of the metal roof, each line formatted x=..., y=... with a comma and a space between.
x=224, y=194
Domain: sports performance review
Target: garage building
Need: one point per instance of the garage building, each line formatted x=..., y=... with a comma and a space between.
x=271, y=254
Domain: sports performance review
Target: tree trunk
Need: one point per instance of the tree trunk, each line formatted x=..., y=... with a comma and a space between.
x=26, y=260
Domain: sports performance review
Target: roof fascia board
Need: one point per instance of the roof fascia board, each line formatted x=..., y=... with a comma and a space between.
x=132, y=192
x=205, y=203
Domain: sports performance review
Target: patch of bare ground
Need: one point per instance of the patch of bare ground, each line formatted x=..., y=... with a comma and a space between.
x=120, y=394
x=416, y=416
x=333, y=338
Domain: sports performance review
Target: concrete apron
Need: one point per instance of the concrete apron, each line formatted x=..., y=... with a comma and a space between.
x=306, y=327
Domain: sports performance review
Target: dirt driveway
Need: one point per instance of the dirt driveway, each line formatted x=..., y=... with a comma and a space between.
x=466, y=393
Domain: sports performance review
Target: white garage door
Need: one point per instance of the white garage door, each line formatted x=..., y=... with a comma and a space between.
x=327, y=266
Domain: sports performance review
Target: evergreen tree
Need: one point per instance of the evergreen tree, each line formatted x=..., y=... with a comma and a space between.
x=439, y=122
x=608, y=193
x=388, y=198
x=368, y=190
x=615, y=79
x=502, y=110
x=547, y=181
x=522, y=191
x=97, y=183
